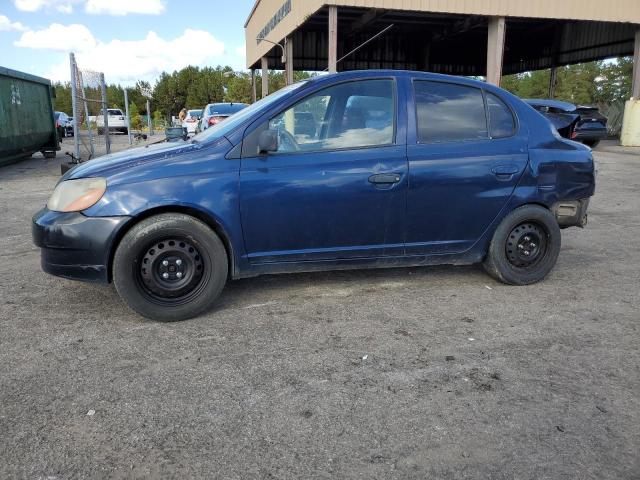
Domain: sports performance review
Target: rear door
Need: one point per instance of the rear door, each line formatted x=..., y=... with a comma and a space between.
x=466, y=153
x=336, y=186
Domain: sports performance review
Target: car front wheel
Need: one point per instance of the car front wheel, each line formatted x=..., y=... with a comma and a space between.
x=170, y=267
x=525, y=246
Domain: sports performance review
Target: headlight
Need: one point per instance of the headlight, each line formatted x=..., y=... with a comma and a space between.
x=77, y=195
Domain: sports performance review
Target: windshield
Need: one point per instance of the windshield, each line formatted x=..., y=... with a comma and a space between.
x=114, y=112
x=194, y=113
x=220, y=129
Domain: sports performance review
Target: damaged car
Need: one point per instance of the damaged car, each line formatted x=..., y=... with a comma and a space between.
x=360, y=169
x=581, y=123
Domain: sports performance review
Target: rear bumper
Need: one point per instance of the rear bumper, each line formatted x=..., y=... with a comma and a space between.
x=590, y=134
x=571, y=213
x=75, y=246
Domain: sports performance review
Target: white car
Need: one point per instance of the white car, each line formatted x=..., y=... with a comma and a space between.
x=191, y=121
x=117, y=121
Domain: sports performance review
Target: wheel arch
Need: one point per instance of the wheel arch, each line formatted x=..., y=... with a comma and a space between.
x=208, y=219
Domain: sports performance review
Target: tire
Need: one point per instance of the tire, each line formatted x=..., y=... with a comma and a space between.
x=592, y=143
x=532, y=229
x=48, y=153
x=190, y=286
x=101, y=131
x=125, y=131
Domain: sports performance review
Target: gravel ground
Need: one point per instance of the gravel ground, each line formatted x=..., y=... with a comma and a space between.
x=401, y=373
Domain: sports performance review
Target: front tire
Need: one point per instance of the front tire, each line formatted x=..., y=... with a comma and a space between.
x=524, y=247
x=170, y=267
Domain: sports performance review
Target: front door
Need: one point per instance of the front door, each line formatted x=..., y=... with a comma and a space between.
x=336, y=186
x=465, y=155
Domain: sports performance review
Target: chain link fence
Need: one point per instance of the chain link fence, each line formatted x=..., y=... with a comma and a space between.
x=614, y=113
x=89, y=105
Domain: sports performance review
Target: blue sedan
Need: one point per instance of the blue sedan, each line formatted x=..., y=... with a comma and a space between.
x=363, y=169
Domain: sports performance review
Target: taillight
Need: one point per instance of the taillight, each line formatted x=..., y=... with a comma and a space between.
x=574, y=134
x=57, y=124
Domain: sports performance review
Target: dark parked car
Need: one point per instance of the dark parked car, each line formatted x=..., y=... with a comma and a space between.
x=582, y=123
x=64, y=124
x=400, y=169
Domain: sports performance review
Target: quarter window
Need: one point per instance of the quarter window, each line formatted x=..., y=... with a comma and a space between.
x=448, y=112
x=501, y=123
x=348, y=115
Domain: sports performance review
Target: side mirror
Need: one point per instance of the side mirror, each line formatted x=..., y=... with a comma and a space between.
x=268, y=141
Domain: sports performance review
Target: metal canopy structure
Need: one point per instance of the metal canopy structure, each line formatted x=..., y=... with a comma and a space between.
x=450, y=43
x=460, y=37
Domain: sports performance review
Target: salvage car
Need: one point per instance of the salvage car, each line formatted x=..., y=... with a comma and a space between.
x=215, y=113
x=581, y=123
x=386, y=169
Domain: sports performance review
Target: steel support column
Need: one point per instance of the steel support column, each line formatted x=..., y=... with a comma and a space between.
x=288, y=66
x=253, y=85
x=264, y=63
x=553, y=81
x=495, y=49
x=635, y=77
x=333, y=39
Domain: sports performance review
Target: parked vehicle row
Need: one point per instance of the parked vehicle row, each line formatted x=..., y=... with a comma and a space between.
x=362, y=169
x=581, y=123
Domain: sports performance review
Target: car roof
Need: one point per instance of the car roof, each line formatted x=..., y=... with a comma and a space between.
x=354, y=74
x=547, y=102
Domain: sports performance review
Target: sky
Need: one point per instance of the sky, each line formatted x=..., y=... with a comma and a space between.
x=128, y=40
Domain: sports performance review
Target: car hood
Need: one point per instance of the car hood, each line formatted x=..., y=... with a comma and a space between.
x=128, y=158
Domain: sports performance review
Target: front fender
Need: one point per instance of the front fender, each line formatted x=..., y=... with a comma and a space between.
x=214, y=196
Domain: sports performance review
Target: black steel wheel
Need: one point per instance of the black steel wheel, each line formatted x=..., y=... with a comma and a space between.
x=524, y=247
x=171, y=270
x=170, y=267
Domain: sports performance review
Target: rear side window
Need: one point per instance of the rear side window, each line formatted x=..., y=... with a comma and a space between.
x=501, y=122
x=447, y=112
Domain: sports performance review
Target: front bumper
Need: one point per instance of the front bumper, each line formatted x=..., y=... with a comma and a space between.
x=76, y=246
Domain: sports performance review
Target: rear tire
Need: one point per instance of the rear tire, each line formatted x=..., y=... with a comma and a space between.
x=170, y=267
x=592, y=143
x=524, y=247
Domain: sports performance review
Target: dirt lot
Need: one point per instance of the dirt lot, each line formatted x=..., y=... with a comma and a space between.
x=408, y=373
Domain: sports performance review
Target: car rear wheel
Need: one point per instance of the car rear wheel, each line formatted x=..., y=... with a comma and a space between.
x=170, y=267
x=525, y=246
x=592, y=143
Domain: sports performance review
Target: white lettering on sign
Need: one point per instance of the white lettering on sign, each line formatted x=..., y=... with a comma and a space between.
x=282, y=12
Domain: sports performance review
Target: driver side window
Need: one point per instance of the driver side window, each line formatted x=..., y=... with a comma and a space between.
x=348, y=115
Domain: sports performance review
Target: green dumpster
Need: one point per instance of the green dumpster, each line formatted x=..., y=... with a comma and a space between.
x=26, y=116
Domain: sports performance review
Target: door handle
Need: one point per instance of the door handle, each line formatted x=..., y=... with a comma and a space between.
x=384, y=178
x=505, y=170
